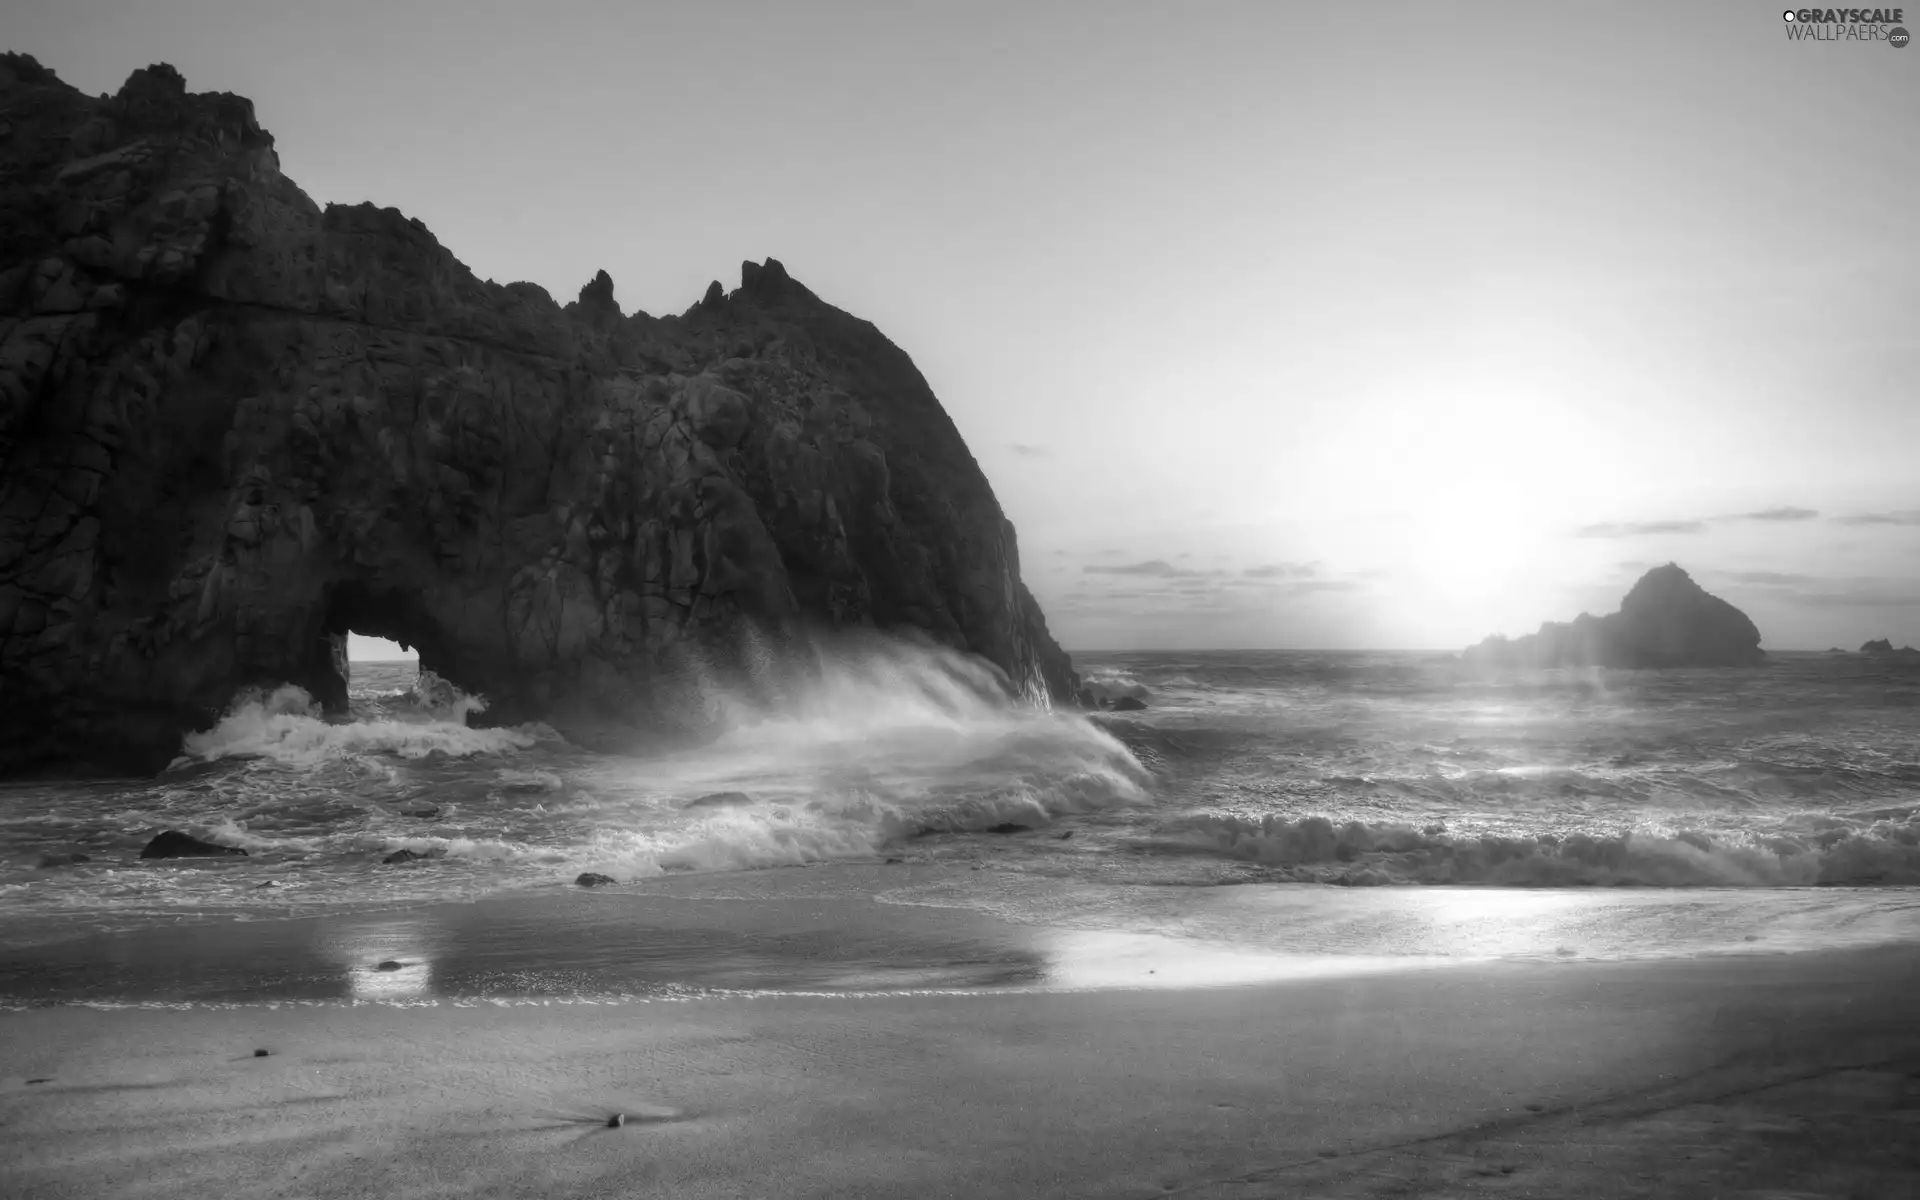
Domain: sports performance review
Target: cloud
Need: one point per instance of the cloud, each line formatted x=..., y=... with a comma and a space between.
x=1783, y=513
x=1770, y=578
x=1157, y=568
x=1639, y=529
x=1301, y=587
x=1026, y=451
x=1910, y=516
x=1157, y=589
x=1909, y=597
x=1812, y=591
x=1629, y=529
x=1282, y=570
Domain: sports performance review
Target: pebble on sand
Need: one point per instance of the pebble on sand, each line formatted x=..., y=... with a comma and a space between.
x=389, y=965
x=616, y=1120
x=261, y=1053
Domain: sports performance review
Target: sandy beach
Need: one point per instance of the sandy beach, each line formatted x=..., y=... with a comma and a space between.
x=1761, y=1075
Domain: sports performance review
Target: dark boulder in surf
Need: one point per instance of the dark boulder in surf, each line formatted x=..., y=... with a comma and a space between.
x=720, y=800
x=235, y=425
x=589, y=879
x=1877, y=646
x=407, y=856
x=1128, y=704
x=174, y=844
x=1666, y=620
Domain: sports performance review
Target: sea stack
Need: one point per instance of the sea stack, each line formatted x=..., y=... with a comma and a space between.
x=235, y=425
x=1666, y=620
x=1883, y=648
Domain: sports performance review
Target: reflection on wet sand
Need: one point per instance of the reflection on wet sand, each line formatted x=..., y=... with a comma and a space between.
x=1090, y=959
x=386, y=960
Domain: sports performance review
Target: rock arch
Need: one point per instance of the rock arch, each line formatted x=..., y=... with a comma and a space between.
x=233, y=424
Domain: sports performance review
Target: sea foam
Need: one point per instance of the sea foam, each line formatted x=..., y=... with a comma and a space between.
x=1316, y=849
x=285, y=725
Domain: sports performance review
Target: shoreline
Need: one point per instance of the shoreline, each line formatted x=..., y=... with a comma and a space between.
x=1246, y=1090
x=868, y=927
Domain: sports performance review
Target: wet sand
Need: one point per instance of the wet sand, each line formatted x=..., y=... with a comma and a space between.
x=1789, y=1074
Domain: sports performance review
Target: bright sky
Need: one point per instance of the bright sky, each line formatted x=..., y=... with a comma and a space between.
x=1272, y=324
x=361, y=648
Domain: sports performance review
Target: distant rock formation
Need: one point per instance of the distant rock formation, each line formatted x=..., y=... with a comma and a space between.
x=234, y=426
x=1883, y=648
x=1666, y=620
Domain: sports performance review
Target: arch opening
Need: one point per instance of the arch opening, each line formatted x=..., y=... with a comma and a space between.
x=356, y=615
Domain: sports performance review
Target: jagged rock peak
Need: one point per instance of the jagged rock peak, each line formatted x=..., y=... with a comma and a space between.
x=763, y=278
x=161, y=81
x=17, y=67
x=597, y=295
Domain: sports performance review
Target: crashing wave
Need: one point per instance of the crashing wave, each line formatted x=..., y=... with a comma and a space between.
x=287, y=726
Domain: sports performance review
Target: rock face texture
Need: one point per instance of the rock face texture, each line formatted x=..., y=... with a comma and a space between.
x=234, y=425
x=1666, y=620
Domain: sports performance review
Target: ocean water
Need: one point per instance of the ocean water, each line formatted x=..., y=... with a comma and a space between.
x=1365, y=806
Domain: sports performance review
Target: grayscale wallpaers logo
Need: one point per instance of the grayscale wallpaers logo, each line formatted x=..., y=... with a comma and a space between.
x=1847, y=25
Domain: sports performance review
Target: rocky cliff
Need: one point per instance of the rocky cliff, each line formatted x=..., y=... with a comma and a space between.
x=234, y=425
x=1666, y=620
